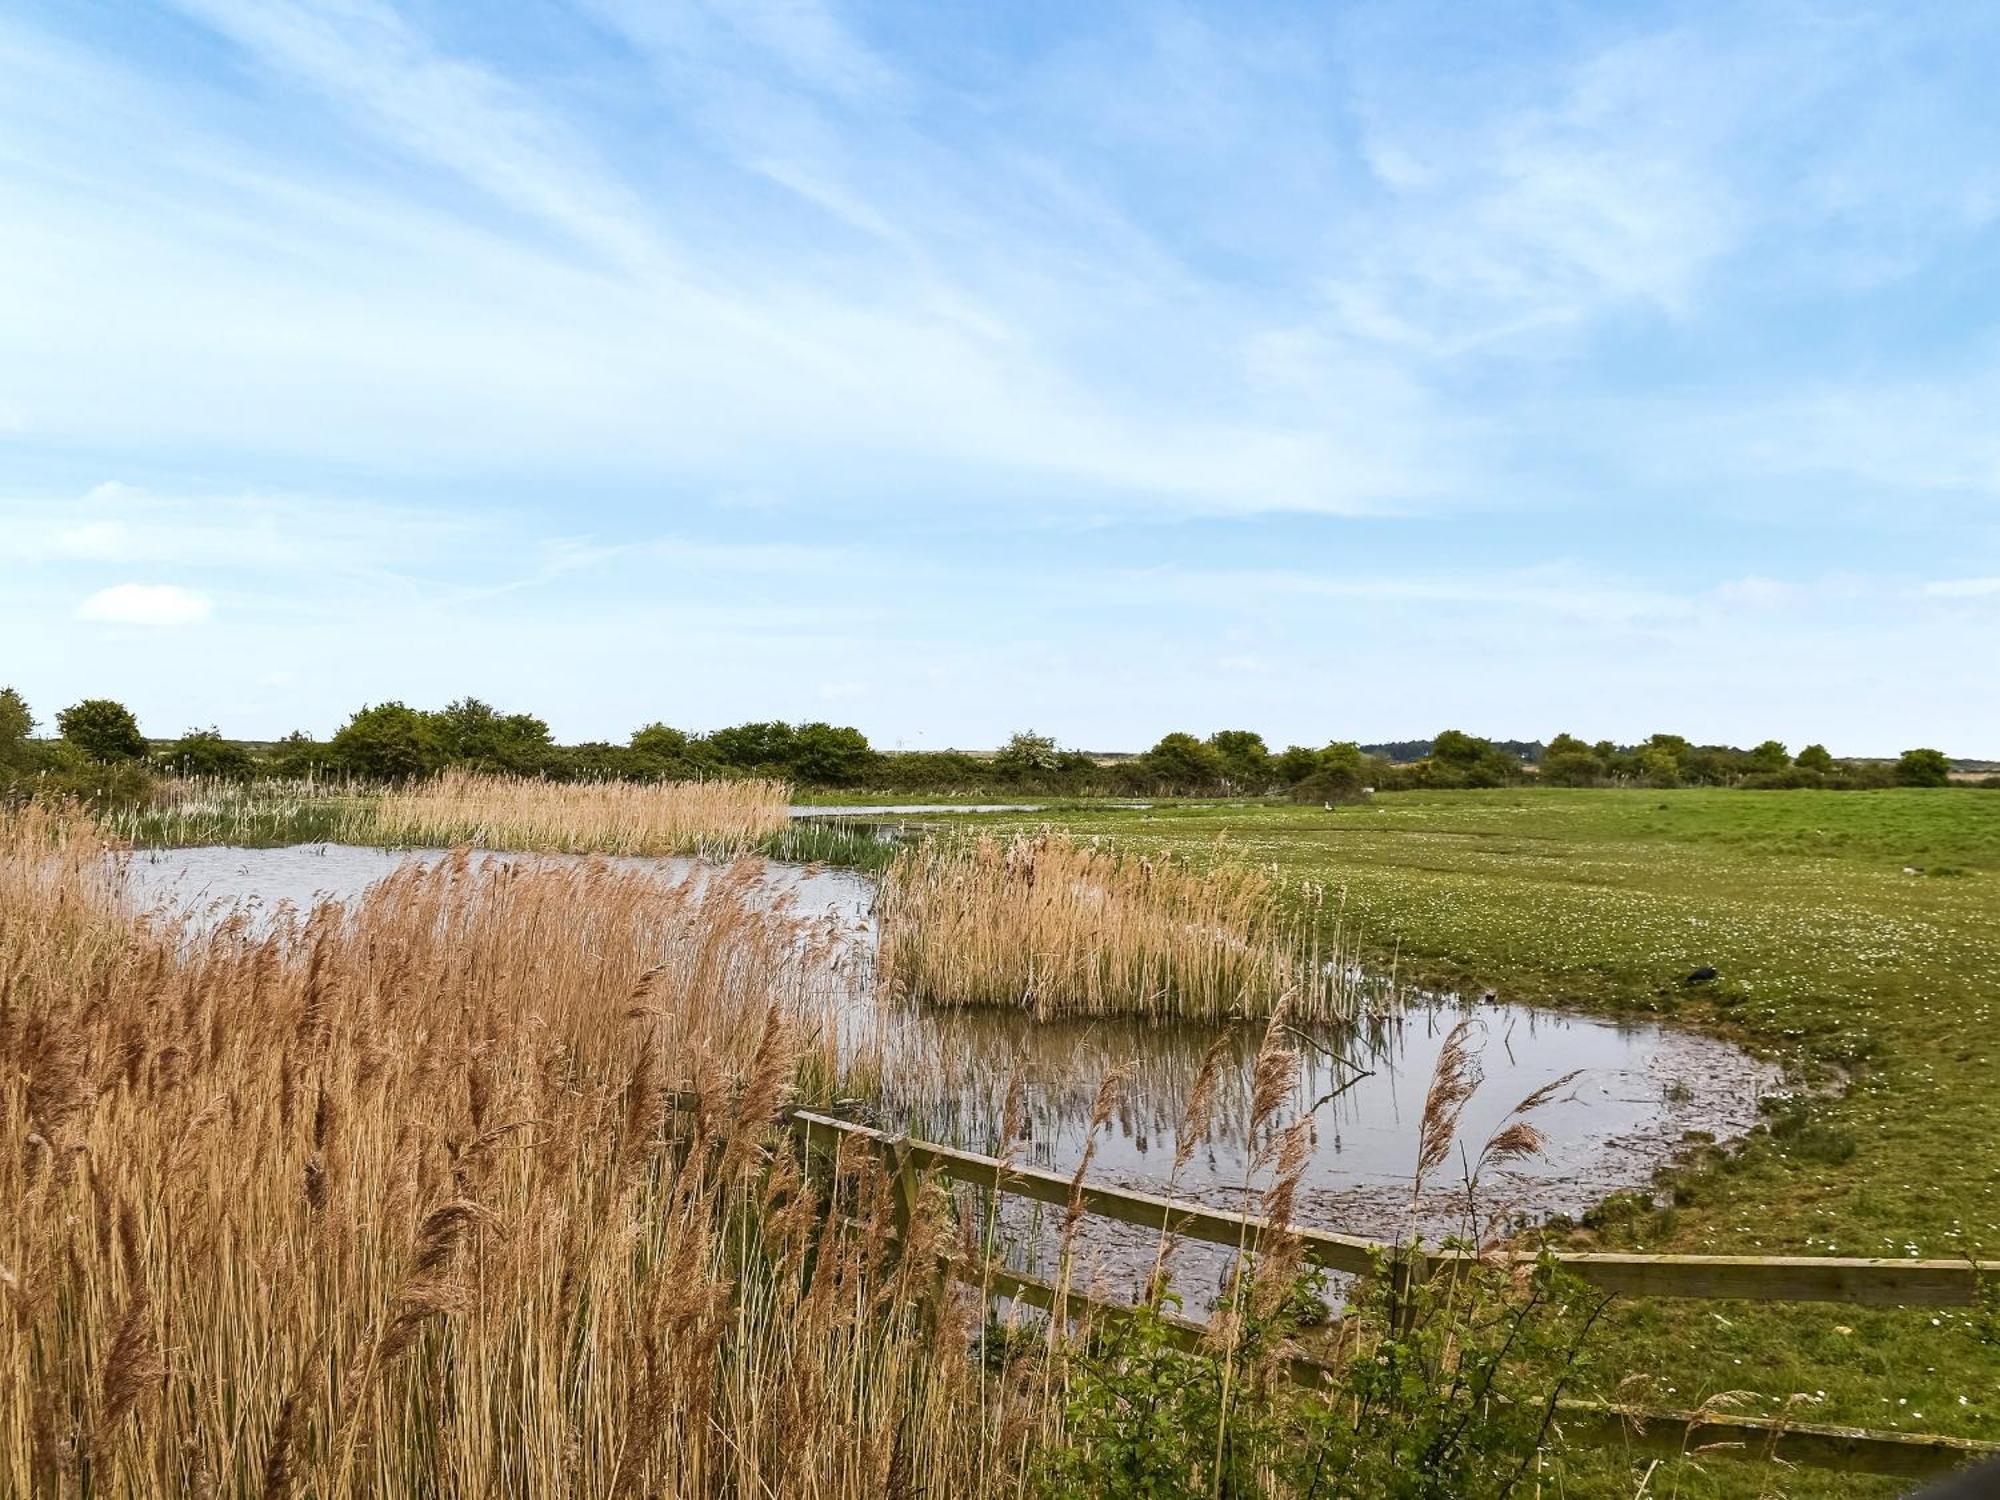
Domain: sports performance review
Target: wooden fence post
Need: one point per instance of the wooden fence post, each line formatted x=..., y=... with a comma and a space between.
x=893, y=1152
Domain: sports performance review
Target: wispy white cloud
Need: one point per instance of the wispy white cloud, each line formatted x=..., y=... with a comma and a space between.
x=434, y=328
x=1961, y=588
x=263, y=534
x=678, y=345
x=146, y=604
x=371, y=62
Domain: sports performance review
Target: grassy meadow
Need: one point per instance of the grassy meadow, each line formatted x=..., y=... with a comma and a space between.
x=1880, y=987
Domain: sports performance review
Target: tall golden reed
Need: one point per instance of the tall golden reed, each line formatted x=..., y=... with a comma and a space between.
x=601, y=817
x=1062, y=928
x=390, y=1200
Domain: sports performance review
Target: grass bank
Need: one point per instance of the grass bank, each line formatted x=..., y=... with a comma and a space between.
x=1857, y=936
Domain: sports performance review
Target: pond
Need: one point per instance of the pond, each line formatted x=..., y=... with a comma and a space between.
x=1642, y=1090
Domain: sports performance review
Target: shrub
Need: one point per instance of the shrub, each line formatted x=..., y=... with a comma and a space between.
x=16, y=724
x=388, y=742
x=1437, y=1391
x=298, y=755
x=477, y=736
x=102, y=729
x=204, y=752
x=1923, y=768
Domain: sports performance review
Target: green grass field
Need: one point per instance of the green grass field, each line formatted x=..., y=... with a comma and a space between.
x=1879, y=988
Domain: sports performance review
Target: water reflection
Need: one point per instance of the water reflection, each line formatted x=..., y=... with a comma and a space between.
x=946, y=1074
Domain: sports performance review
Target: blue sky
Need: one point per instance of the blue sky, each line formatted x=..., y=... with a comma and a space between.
x=1335, y=371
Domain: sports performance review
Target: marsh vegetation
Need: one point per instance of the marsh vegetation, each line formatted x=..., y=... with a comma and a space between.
x=477, y=1184
x=1060, y=927
x=1834, y=947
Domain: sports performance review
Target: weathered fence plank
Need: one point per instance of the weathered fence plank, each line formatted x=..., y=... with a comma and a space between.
x=1786, y=1278
x=1755, y=1278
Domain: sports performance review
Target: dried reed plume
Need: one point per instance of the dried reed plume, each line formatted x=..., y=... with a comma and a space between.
x=1062, y=928
x=597, y=817
x=390, y=1200
x=1453, y=1081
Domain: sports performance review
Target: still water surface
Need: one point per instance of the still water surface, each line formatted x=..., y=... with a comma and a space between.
x=1642, y=1088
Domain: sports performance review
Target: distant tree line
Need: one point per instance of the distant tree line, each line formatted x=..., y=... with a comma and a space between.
x=100, y=751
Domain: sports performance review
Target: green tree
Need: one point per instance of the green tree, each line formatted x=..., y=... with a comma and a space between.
x=1769, y=756
x=1183, y=764
x=476, y=735
x=299, y=754
x=1340, y=774
x=1461, y=759
x=16, y=724
x=1245, y=758
x=1815, y=758
x=1923, y=768
x=764, y=747
x=1709, y=765
x=204, y=752
x=828, y=754
x=1659, y=765
x=102, y=729
x=1294, y=764
x=1027, y=754
x=1454, y=747
x=387, y=742
x=1568, y=761
x=659, y=752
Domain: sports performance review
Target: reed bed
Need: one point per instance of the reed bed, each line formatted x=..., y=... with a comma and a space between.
x=186, y=810
x=389, y=1200
x=719, y=818
x=589, y=817
x=1058, y=927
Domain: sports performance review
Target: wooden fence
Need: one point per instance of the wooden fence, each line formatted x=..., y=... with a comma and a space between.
x=1879, y=1283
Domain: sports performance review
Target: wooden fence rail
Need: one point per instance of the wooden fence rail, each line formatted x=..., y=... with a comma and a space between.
x=1881, y=1283
x=1743, y=1278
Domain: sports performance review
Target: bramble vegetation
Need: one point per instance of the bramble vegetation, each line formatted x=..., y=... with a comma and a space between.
x=1441, y=1392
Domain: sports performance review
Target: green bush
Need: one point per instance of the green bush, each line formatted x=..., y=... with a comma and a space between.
x=102, y=729
x=388, y=742
x=204, y=752
x=1923, y=768
x=1444, y=1392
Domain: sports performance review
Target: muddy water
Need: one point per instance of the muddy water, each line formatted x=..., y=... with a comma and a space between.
x=1641, y=1089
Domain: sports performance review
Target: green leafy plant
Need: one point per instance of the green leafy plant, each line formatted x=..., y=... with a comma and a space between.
x=1438, y=1389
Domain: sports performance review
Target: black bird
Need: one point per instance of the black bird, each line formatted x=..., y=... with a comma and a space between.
x=1701, y=976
